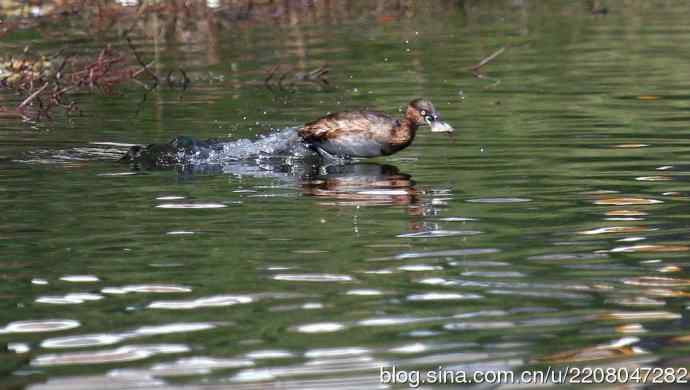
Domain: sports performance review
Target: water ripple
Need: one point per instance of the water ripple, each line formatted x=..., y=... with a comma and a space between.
x=621, y=348
x=479, y=325
x=439, y=233
x=99, y=382
x=640, y=316
x=195, y=365
x=499, y=200
x=420, y=268
x=651, y=248
x=69, y=299
x=625, y=213
x=147, y=288
x=336, y=368
x=495, y=274
x=389, y=321
x=446, y=253
x=656, y=281
x=626, y=201
x=364, y=292
x=170, y=197
x=313, y=277
x=123, y=354
x=336, y=352
x=92, y=340
x=269, y=354
x=320, y=327
x=80, y=278
x=213, y=301
x=615, y=230
x=35, y=326
x=191, y=206
x=439, y=296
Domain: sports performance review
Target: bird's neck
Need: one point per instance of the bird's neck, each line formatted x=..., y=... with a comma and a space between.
x=404, y=131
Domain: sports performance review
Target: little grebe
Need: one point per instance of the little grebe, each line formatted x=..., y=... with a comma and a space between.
x=369, y=133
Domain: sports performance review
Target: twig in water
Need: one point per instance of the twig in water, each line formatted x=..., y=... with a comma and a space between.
x=486, y=60
x=32, y=97
x=476, y=70
x=318, y=75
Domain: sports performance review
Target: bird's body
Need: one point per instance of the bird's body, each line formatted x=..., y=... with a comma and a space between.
x=357, y=134
x=369, y=133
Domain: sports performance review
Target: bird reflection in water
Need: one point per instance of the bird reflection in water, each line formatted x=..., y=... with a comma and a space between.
x=361, y=184
x=349, y=184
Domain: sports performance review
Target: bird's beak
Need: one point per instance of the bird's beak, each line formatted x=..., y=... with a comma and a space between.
x=439, y=126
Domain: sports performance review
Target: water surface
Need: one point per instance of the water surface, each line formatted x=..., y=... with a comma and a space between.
x=552, y=230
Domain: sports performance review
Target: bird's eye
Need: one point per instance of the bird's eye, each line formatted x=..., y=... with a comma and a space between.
x=423, y=112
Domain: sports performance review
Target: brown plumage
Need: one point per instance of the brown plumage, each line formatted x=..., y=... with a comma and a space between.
x=369, y=133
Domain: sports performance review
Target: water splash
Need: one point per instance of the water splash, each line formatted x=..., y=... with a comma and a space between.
x=283, y=143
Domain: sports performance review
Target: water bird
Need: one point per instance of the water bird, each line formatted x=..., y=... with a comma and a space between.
x=339, y=136
x=349, y=134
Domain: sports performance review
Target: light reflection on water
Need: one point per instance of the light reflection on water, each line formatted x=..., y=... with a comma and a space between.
x=552, y=230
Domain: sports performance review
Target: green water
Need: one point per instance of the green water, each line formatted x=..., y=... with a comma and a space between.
x=552, y=230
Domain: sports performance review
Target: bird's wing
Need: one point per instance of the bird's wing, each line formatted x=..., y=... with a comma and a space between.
x=334, y=125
